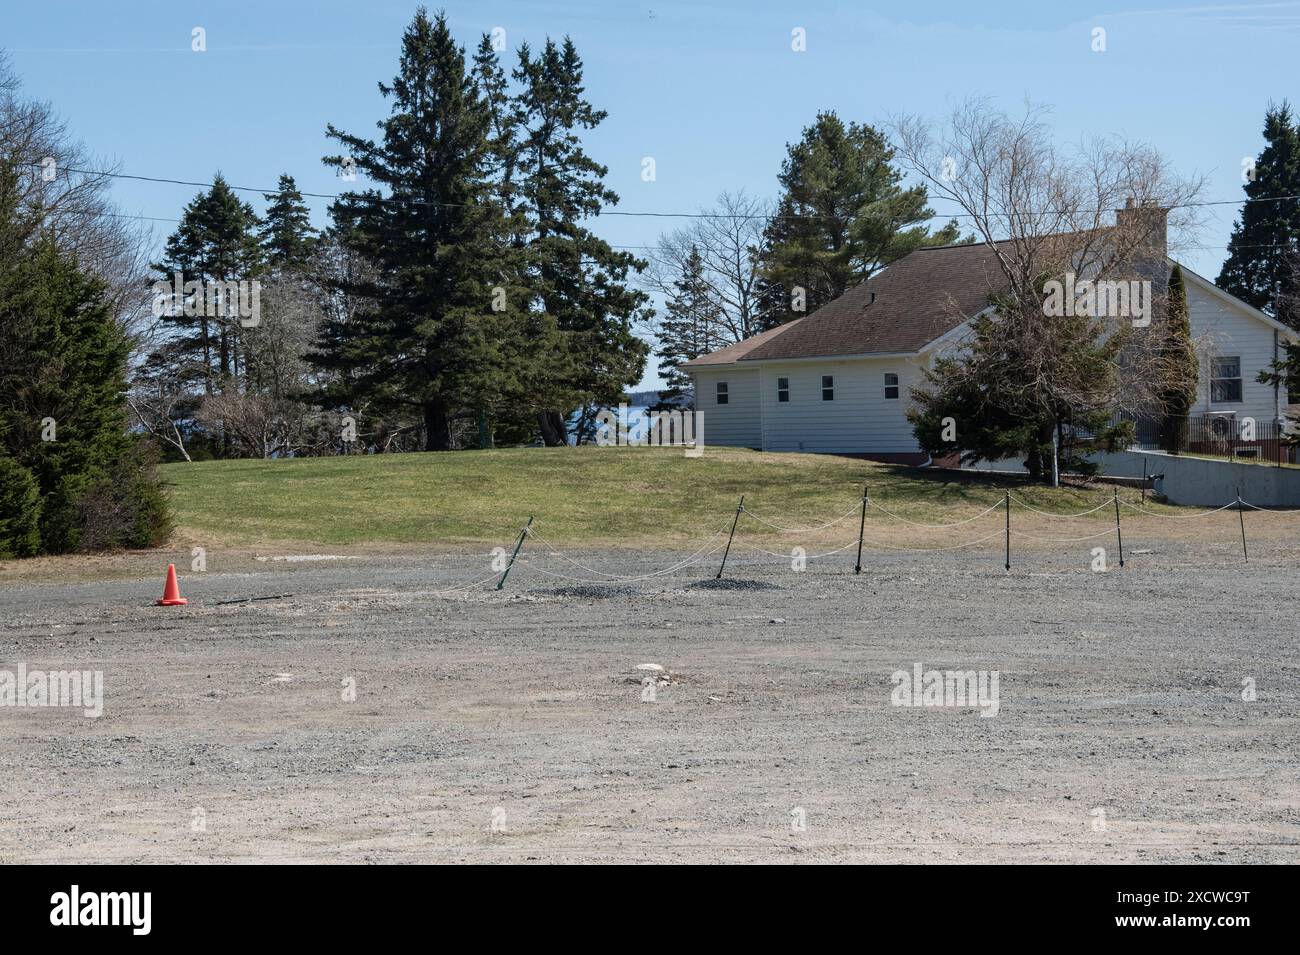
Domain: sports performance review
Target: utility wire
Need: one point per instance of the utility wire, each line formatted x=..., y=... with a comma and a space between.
x=655, y=215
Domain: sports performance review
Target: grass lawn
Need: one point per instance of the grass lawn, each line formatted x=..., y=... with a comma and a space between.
x=589, y=495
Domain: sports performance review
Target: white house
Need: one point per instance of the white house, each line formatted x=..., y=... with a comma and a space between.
x=838, y=380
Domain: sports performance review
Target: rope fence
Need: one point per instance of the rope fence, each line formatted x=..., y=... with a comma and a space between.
x=709, y=549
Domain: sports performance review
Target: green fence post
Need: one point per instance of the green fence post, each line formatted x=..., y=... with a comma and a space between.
x=522, y=534
x=739, y=507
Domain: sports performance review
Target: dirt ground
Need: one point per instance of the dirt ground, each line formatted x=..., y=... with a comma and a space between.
x=510, y=726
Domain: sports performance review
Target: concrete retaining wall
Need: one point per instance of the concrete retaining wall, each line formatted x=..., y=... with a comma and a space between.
x=1202, y=482
x=1196, y=481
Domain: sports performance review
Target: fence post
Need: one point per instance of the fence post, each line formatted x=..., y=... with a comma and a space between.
x=1144, y=479
x=1241, y=516
x=739, y=507
x=1119, y=535
x=1007, y=502
x=862, y=527
x=522, y=534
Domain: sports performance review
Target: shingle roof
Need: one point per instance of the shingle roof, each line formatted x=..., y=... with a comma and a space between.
x=738, y=350
x=919, y=298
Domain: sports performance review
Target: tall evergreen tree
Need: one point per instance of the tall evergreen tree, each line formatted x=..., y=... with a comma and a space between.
x=431, y=341
x=843, y=215
x=578, y=279
x=1268, y=228
x=63, y=362
x=1178, y=364
x=688, y=329
x=216, y=241
x=287, y=235
x=503, y=137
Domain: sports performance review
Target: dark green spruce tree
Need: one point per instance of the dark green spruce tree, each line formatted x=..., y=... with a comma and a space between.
x=287, y=236
x=216, y=241
x=843, y=214
x=1267, y=230
x=63, y=359
x=574, y=276
x=688, y=330
x=435, y=338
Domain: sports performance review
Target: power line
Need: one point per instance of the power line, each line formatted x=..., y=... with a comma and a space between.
x=628, y=248
x=352, y=196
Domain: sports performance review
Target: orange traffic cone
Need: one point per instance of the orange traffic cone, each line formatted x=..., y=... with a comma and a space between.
x=172, y=592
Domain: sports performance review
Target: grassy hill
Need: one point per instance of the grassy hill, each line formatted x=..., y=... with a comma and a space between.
x=652, y=496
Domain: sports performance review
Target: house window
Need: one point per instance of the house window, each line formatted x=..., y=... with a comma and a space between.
x=1225, y=380
x=783, y=389
x=828, y=387
x=891, y=385
x=722, y=392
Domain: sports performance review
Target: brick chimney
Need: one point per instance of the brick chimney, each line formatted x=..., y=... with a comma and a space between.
x=1142, y=231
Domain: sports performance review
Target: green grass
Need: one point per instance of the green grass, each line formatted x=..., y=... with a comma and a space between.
x=588, y=494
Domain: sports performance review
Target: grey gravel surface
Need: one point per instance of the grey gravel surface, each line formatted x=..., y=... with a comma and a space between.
x=226, y=737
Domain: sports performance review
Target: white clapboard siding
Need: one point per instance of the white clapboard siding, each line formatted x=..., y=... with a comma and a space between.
x=735, y=424
x=860, y=419
x=1221, y=327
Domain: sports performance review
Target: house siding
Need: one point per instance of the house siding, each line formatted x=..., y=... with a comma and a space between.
x=735, y=424
x=860, y=419
x=1220, y=328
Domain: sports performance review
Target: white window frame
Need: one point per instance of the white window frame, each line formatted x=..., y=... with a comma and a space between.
x=894, y=385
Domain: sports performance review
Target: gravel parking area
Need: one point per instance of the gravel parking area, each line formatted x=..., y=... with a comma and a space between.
x=515, y=725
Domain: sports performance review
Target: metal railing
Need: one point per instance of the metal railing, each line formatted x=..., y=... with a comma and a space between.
x=1230, y=436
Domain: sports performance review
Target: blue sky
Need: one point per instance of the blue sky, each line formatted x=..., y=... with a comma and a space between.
x=712, y=91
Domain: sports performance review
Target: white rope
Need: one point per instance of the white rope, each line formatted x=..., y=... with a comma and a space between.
x=651, y=576
x=552, y=551
x=899, y=517
x=466, y=587
x=1063, y=540
x=1199, y=514
x=852, y=543
x=997, y=533
x=785, y=529
x=1092, y=510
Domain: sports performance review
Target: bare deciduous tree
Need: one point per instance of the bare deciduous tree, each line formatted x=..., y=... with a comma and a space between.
x=65, y=191
x=727, y=237
x=1097, y=212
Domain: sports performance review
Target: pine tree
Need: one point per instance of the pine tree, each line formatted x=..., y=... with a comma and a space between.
x=503, y=138
x=216, y=242
x=287, y=235
x=1178, y=364
x=579, y=280
x=1268, y=228
x=63, y=360
x=842, y=216
x=686, y=332
x=430, y=341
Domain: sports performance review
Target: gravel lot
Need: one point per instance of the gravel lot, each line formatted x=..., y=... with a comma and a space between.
x=225, y=735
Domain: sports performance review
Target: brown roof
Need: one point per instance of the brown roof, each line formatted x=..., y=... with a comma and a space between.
x=738, y=350
x=919, y=298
